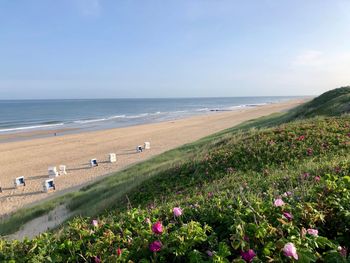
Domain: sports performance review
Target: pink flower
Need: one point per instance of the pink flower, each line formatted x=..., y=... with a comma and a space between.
x=147, y=221
x=317, y=178
x=96, y=259
x=288, y=216
x=301, y=138
x=119, y=252
x=209, y=253
x=155, y=246
x=343, y=251
x=278, y=202
x=287, y=194
x=289, y=250
x=309, y=151
x=248, y=255
x=157, y=228
x=177, y=211
x=306, y=175
x=312, y=232
x=95, y=223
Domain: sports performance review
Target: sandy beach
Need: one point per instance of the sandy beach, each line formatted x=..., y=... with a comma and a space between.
x=31, y=158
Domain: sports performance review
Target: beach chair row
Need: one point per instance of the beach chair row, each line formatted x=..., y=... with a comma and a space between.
x=49, y=184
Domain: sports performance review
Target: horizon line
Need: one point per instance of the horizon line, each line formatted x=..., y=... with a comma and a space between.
x=138, y=98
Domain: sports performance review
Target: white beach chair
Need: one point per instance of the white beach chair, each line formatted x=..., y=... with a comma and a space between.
x=139, y=149
x=19, y=181
x=112, y=157
x=52, y=171
x=62, y=169
x=147, y=145
x=93, y=163
x=49, y=185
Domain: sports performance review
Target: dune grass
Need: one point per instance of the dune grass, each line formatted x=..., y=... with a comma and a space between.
x=226, y=190
x=245, y=167
x=101, y=195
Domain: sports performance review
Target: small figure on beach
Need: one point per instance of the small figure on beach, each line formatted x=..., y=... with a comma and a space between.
x=55, y=134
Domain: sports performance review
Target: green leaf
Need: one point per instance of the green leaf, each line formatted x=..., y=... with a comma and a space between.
x=224, y=250
x=306, y=256
x=334, y=257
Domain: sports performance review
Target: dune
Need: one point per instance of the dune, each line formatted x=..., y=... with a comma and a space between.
x=31, y=158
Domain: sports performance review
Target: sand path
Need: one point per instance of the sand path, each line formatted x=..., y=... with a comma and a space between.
x=32, y=158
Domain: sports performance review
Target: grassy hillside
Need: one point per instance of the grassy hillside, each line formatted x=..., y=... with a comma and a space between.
x=331, y=103
x=244, y=194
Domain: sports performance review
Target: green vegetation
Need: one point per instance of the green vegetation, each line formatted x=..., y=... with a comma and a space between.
x=246, y=195
x=13, y=222
x=332, y=103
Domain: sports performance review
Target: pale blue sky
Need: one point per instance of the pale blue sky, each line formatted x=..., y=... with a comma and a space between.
x=178, y=48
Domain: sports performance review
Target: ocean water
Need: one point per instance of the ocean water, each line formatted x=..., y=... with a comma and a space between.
x=93, y=114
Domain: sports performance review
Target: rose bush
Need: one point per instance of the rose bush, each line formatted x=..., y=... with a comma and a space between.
x=247, y=200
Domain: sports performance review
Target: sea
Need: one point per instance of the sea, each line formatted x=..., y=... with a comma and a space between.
x=95, y=114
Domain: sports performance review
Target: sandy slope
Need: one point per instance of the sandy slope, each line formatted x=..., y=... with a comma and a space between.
x=32, y=158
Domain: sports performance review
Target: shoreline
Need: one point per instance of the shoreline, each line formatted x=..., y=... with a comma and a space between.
x=106, y=123
x=31, y=158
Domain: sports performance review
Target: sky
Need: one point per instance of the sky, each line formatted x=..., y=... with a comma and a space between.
x=172, y=48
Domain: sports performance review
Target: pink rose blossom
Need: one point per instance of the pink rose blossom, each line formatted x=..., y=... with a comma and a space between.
x=306, y=175
x=301, y=138
x=177, y=211
x=157, y=228
x=309, y=151
x=343, y=251
x=289, y=250
x=95, y=223
x=286, y=194
x=312, y=232
x=209, y=253
x=287, y=215
x=155, y=246
x=248, y=256
x=278, y=202
x=317, y=178
x=97, y=259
